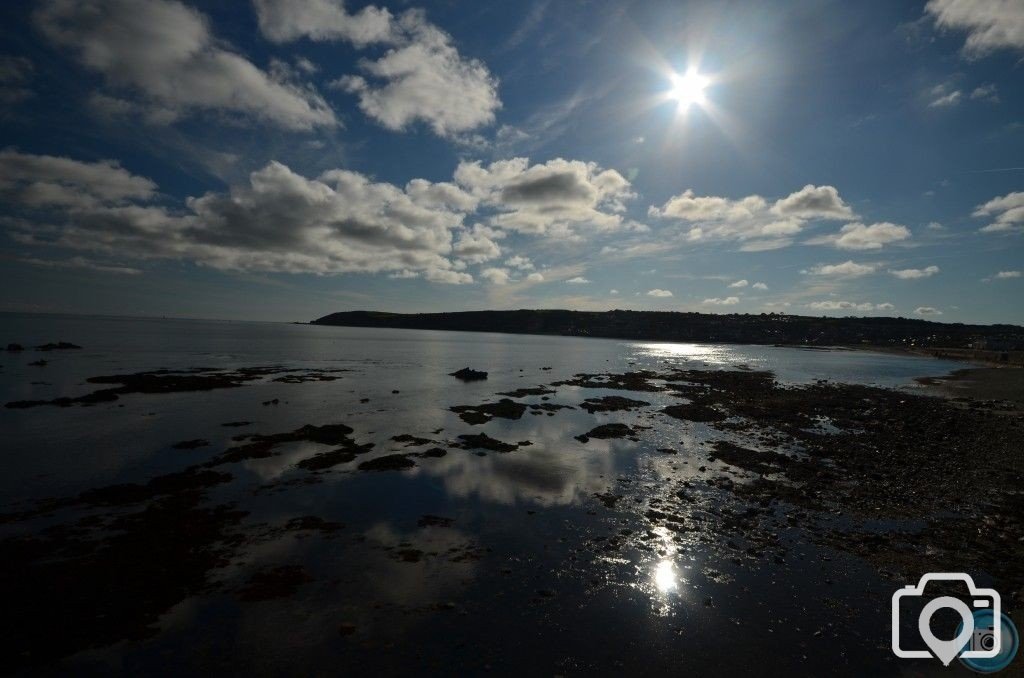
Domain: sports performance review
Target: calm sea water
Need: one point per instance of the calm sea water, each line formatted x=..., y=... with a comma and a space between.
x=523, y=515
x=63, y=449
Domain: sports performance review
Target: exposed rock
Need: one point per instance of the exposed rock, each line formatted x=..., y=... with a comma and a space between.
x=611, y=404
x=59, y=346
x=190, y=444
x=468, y=374
x=607, y=431
x=481, y=414
x=482, y=441
x=389, y=462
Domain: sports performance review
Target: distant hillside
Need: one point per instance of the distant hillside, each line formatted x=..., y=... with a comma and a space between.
x=768, y=328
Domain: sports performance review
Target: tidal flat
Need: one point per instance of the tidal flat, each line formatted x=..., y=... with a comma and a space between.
x=279, y=500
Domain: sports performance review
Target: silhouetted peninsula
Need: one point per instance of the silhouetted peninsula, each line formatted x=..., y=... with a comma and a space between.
x=766, y=328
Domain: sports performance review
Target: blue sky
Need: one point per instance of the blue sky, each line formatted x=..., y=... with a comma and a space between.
x=282, y=160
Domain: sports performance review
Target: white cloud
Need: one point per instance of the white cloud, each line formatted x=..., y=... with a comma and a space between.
x=424, y=78
x=164, y=51
x=476, y=246
x=613, y=292
x=522, y=263
x=727, y=301
x=990, y=24
x=51, y=181
x=111, y=107
x=847, y=269
x=535, y=277
x=659, y=293
x=1008, y=211
x=280, y=221
x=759, y=286
x=495, y=276
x=946, y=100
x=813, y=202
x=935, y=226
x=287, y=20
x=752, y=220
x=859, y=236
x=986, y=92
x=849, y=305
x=927, y=310
x=739, y=284
x=1006, y=275
x=81, y=263
x=578, y=280
x=915, y=273
x=553, y=198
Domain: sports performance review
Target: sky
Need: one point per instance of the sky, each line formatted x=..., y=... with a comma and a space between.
x=285, y=159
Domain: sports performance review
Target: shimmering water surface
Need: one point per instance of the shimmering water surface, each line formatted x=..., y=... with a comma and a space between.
x=463, y=564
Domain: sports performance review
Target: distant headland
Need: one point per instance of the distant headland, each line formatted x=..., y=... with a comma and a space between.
x=988, y=341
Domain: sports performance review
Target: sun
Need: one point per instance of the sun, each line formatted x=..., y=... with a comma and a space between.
x=688, y=88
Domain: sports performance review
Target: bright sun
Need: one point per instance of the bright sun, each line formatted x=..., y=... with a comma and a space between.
x=688, y=88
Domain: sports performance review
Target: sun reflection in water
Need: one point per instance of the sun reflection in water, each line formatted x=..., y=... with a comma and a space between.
x=704, y=352
x=665, y=578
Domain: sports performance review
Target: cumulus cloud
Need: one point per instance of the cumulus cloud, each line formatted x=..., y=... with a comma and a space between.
x=1008, y=212
x=814, y=202
x=535, y=277
x=424, y=78
x=727, y=301
x=164, y=51
x=739, y=283
x=915, y=273
x=578, y=280
x=847, y=269
x=522, y=263
x=554, y=198
x=760, y=225
x=759, y=286
x=495, y=276
x=320, y=20
x=832, y=305
x=659, y=293
x=927, y=310
x=476, y=245
x=281, y=221
x=858, y=236
x=990, y=25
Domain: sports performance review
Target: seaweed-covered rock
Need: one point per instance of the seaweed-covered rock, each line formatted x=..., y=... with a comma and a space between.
x=469, y=374
x=606, y=431
x=389, y=462
x=481, y=414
